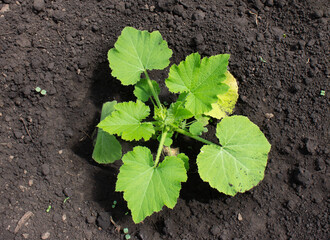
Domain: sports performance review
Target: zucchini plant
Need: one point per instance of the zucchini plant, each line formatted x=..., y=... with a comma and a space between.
x=205, y=89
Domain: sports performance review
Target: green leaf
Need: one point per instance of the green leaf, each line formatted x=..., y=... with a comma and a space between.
x=168, y=140
x=196, y=128
x=185, y=160
x=176, y=113
x=147, y=188
x=126, y=121
x=142, y=90
x=107, y=148
x=226, y=102
x=201, y=79
x=135, y=52
x=203, y=119
x=239, y=164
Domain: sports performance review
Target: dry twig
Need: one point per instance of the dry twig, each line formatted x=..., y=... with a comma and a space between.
x=26, y=129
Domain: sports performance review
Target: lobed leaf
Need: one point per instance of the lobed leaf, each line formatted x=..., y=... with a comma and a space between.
x=147, y=188
x=107, y=148
x=226, y=101
x=239, y=164
x=135, y=52
x=126, y=121
x=142, y=90
x=201, y=79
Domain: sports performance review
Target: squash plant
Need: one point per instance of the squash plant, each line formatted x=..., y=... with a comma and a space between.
x=206, y=89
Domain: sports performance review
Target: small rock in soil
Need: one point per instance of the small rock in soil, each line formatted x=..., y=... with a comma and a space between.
x=68, y=192
x=23, y=41
x=310, y=146
x=68, y=132
x=83, y=63
x=57, y=217
x=269, y=3
x=230, y=3
x=291, y=204
x=318, y=13
x=179, y=10
x=18, y=135
x=103, y=220
x=45, y=169
x=58, y=16
x=269, y=115
x=260, y=37
x=320, y=165
x=281, y=3
x=311, y=43
x=317, y=197
x=198, y=39
x=302, y=177
x=198, y=15
x=39, y=5
x=120, y=6
x=45, y=235
x=258, y=4
x=51, y=65
x=215, y=230
x=166, y=5
x=91, y=219
x=301, y=44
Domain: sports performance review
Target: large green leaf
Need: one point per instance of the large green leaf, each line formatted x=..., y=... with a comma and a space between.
x=239, y=164
x=147, y=188
x=201, y=79
x=126, y=121
x=135, y=52
x=107, y=148
x=142, y=90
x=226, y=101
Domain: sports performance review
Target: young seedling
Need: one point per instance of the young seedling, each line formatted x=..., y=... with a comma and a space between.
x=205, y=89
x=41, y=91
x=48, y=209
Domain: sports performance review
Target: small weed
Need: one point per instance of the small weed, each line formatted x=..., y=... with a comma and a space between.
x=48, y=209
x=41, y=91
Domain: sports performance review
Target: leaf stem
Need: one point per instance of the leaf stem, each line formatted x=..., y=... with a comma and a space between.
x=153, y=90
x=160, y=147
x=179, y=130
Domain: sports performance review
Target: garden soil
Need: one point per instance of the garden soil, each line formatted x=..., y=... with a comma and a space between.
x=51, y=188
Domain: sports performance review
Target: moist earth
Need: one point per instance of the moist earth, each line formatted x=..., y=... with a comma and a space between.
x=52, y=189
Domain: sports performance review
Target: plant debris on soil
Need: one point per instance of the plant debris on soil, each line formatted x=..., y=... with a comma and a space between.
x=52, y=189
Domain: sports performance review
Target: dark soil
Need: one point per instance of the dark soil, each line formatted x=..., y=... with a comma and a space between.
x=280, y=57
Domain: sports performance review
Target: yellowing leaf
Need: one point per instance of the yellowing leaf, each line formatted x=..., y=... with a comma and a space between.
x=201, y=79
x=226, y=101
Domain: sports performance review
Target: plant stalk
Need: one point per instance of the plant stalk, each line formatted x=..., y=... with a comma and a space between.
x=160, y=147
x=153, y=90
x=179, y=130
